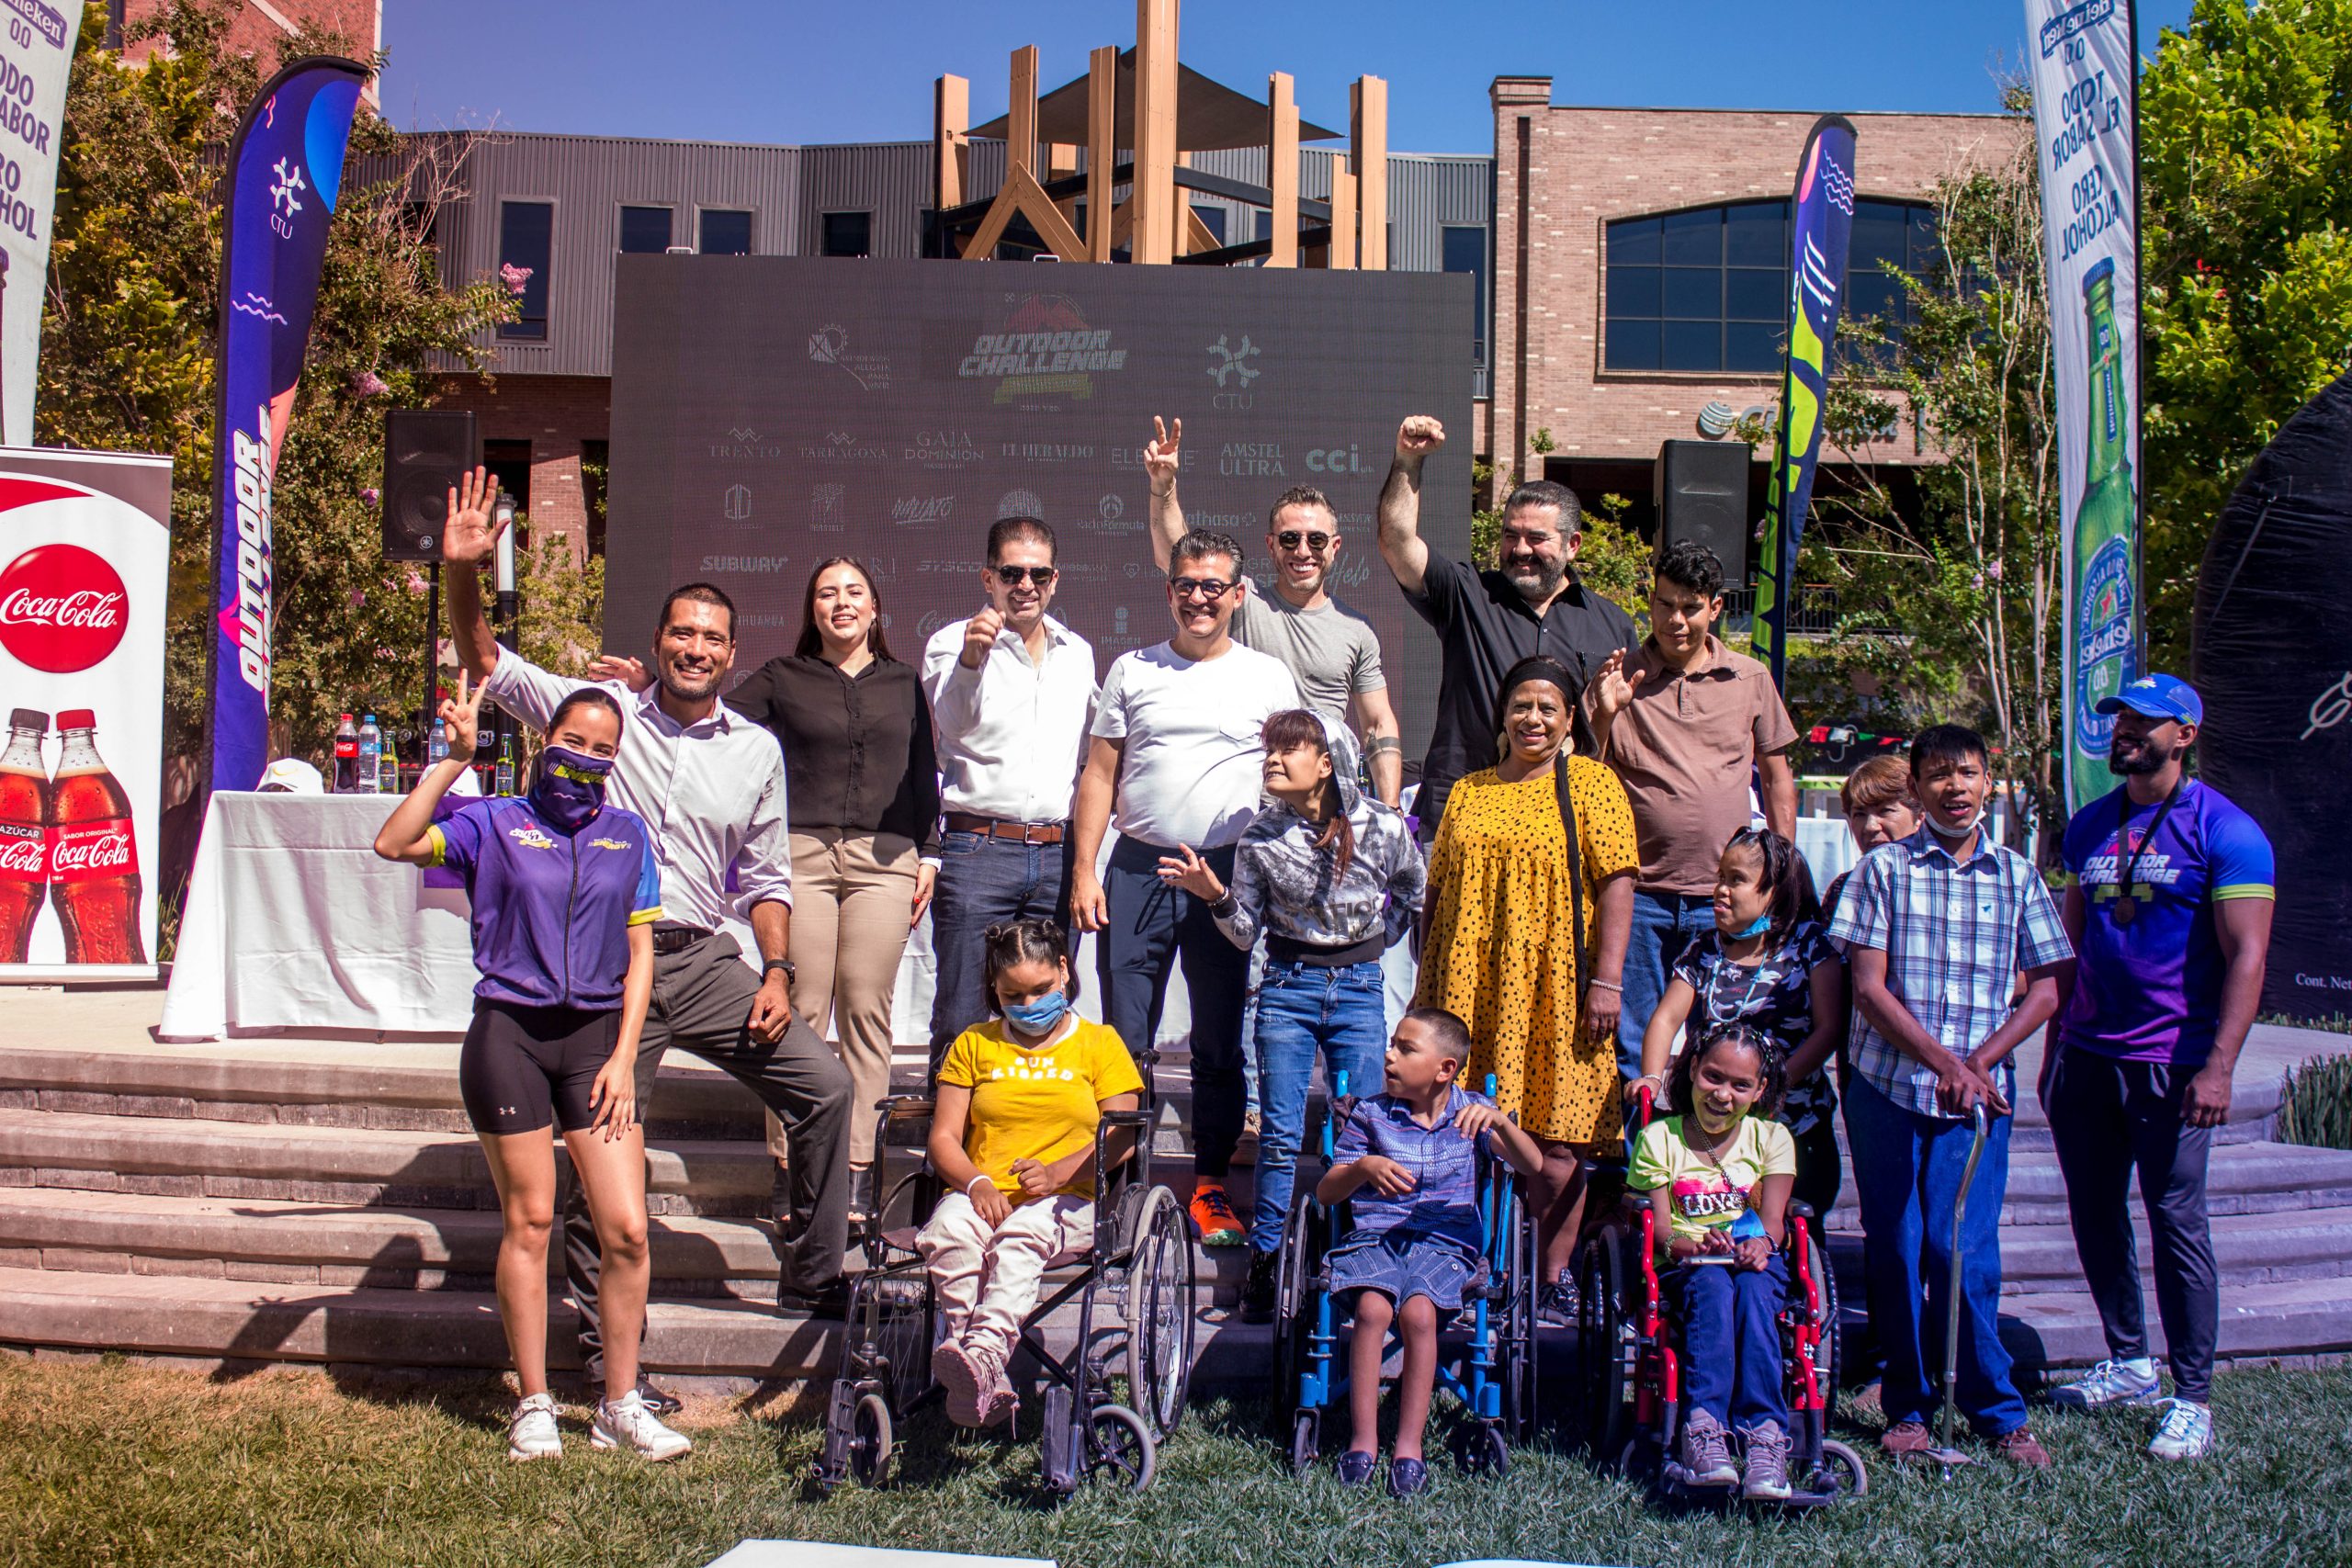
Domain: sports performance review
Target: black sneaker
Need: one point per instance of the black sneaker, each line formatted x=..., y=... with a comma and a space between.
x=830, y=1300
x=1559, y=1303
x=1257, y=1290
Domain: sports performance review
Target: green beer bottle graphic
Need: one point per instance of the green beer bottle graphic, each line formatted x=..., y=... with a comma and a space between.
x=2105, y=560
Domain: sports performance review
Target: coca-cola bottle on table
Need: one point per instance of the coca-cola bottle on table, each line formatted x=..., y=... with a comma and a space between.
x=93, y=860
x=24, y=833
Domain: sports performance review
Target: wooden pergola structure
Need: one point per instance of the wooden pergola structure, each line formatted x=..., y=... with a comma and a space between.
x=1160, y=112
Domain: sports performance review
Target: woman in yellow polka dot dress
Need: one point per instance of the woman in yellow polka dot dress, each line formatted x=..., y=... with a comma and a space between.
x=1511, y=906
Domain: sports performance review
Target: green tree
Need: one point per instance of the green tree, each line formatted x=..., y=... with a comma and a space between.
x=2245, y=158
x=127, y=346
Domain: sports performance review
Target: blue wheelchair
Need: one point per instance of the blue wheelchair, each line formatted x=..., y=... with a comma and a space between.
x=1486, y=1357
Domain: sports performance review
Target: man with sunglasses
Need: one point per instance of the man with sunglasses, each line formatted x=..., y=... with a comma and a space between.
x=1011, y=695
x=1331, y=650
x=1177, y=751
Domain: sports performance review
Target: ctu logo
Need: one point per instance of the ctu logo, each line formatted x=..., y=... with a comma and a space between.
x=62, y=608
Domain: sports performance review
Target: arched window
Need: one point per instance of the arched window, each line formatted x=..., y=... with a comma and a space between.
x=1707, y=289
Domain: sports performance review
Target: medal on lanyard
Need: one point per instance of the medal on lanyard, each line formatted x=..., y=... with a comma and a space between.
x=2126, y=908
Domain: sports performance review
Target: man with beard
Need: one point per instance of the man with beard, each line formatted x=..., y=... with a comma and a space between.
x=710, y=784
x=1012, y=694
x=1487, y=621
x=2170, y=912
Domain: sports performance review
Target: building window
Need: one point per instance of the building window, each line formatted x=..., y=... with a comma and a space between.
x=1212, y=218
x=725, y=233
x=645, y=231
x=1465, y=250
x=526, y=243
x=509, y=463
x=1708, y=289
x=848, y=234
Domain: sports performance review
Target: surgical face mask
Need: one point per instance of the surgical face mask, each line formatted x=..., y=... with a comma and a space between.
x=570, y=789
x=1038, y=1018
x=1756, y=927
x=1953, y=835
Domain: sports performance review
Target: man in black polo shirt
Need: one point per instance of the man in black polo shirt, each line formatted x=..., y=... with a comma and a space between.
x=1487, y=621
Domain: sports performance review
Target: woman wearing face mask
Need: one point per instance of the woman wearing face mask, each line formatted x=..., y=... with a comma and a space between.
x=1765, y=966
x=1013, y=1135
x=564, y=891
x=1531, y=902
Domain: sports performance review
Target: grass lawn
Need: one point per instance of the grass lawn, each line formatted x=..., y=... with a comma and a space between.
x=106, y=1463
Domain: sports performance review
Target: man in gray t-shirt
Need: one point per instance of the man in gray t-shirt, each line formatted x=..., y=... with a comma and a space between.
x=1331, y=651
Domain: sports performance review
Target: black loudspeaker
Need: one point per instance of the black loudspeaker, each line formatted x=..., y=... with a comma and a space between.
x=424, y=452
x=1701, y=489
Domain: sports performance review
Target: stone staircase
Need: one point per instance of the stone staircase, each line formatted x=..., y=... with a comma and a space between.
x=325, y=1202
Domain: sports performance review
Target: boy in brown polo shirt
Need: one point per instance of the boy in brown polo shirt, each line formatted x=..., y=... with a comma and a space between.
x=1680, y=721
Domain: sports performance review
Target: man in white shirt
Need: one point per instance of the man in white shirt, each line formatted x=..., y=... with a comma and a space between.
x=1012, y=694
x=710, y=784
x=1176, y=749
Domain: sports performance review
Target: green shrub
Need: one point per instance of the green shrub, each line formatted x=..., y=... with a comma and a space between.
x=2315, y=1108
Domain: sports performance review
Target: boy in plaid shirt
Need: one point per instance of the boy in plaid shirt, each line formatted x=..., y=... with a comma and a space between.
x=1937, y=928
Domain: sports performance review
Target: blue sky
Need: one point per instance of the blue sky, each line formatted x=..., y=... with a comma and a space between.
x=790, y=70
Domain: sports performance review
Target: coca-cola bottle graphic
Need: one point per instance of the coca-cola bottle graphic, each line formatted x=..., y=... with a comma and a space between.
x=93, y=861
x=24, y=833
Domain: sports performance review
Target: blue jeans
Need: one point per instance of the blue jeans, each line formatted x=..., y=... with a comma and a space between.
x=1731, y=1341
x=981, y=882
x=1906, y=1173
x=1305, y=1012
x=1664, y=924
x=1151, y=925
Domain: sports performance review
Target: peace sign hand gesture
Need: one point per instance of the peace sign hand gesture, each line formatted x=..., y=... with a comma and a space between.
x=467, y=534
x=1159, y=456
x=461, y=717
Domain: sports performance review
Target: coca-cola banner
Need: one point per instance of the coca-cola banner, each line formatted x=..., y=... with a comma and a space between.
x=36, y=58
x=285, y=173
x=85, y=559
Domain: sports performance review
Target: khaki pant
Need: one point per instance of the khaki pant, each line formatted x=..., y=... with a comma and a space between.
x=853, y=905
x=986, y=1281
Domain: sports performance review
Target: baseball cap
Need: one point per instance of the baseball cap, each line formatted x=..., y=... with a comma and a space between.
x=2158, y=696
x=291, y=776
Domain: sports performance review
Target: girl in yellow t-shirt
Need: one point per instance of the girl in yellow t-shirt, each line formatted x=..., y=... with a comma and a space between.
x=1019, y=1098
x=1718, y=1174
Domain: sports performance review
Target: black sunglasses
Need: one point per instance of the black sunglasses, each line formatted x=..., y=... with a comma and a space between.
x=1010, y=576
x=1209, y=588
x=1289, y=539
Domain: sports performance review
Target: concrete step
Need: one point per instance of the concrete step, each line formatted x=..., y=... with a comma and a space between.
x=2244, y=1179
x=2249, y=1249
x=2291, y=1317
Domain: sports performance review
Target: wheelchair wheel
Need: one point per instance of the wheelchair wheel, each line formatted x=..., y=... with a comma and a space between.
x=1482, y=1451
x=1841, y=1472
x=1295, y=1267
x=1607, y=1342
x=1518, y=1360
x=1159, y=1314
x=892, y=1332
x=1120, y=1442
x=871, y=1441
x=1833, y=1329
x=1305, y=1440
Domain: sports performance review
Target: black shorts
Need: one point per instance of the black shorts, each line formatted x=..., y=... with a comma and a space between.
x=524, y=1067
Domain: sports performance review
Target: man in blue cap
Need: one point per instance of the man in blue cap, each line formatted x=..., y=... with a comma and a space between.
x=2170, y=915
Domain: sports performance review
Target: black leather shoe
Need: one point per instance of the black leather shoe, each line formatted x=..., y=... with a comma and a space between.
x=658, y=1400
x=832, y=1301
x=1258, y=1289
x=1406, y=1477
x=861, y=1197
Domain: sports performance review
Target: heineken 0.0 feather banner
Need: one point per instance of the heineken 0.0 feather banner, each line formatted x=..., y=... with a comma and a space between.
x=2084, y=64
x=1822, y=223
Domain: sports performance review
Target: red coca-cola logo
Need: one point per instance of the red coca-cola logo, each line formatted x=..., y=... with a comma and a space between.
x=62, y=608
x=92, y=850
x=24, y=854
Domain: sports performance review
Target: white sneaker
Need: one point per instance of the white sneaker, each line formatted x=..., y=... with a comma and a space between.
x=2184, y=1431
x=625, y=1423
x=532, y=1433
x=2111, y=1382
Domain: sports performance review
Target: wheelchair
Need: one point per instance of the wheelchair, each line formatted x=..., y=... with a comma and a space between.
x=1138, y=1270
x=1486, y=1355
x=1630, y=1356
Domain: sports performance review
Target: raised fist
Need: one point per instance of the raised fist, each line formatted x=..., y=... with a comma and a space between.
x=1419, y=436
x=979, y=635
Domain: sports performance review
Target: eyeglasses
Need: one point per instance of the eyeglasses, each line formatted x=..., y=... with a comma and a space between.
x=1010, y=576
x=1209, y=588
x=1289, y=539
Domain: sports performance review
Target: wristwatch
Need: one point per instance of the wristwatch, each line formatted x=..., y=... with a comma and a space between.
x=791, y=974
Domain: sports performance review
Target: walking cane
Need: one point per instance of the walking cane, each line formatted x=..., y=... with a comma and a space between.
x=1945, y=1454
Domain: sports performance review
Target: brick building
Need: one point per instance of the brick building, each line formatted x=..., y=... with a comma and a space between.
x=261, y=26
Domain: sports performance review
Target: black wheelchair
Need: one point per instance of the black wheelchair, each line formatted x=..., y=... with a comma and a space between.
x=1137, y=1270
x=1630, y=1352
x=1485, y=1356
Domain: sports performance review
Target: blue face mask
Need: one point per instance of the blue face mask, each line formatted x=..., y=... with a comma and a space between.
x=1038, y=1018
x=570, y=789
x=1756, y=927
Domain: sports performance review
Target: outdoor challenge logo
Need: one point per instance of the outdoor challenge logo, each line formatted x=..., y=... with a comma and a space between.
x=1044, y=351
x=62, y=609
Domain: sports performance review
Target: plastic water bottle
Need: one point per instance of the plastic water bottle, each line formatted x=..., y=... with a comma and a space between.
x=503, y=781
x=436, y=740
x=371, y=754
x=347, y=756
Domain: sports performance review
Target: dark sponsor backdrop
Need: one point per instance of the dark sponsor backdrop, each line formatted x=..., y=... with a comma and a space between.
x=771, y=412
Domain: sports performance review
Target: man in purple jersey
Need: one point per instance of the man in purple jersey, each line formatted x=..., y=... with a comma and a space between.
x=2170, y=914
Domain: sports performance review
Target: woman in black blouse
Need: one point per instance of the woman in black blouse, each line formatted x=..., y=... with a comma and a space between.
x=864, y=809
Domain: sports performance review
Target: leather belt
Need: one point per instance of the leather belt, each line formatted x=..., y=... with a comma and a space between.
x=995, y=828
x=668, y=938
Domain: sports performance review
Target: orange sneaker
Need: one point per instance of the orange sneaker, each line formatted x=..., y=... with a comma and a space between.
x=1214, y=1217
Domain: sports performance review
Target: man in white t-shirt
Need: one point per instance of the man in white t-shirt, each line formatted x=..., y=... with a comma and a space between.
x=1176, y=750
